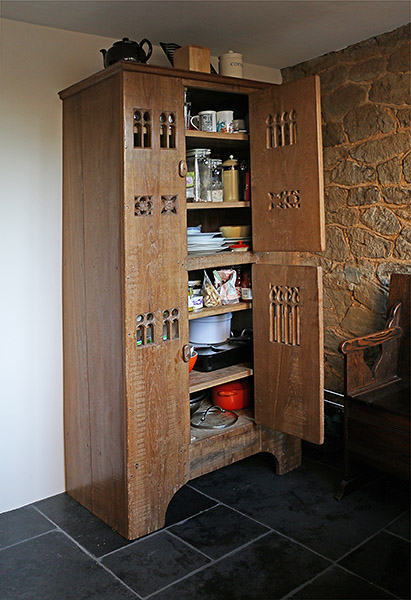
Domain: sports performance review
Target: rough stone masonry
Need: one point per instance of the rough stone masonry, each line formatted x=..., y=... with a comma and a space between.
x=366, y=98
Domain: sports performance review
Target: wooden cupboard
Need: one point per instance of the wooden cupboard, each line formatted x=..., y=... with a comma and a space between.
x=128, y=443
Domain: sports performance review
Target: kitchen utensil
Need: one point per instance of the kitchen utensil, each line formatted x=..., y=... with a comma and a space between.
x=210, y=330
x=127, y=50
x=232, y=396
x=196, y=399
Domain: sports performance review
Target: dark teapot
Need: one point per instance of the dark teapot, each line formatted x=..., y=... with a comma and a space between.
x=127, y=50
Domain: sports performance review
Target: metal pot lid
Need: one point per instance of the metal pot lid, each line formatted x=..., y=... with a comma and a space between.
x=214, y=417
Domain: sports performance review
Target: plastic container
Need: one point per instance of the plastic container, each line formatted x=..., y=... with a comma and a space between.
x=210, y=330
x=232, y=396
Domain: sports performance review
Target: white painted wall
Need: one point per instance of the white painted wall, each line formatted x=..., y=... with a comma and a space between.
x=36, y=63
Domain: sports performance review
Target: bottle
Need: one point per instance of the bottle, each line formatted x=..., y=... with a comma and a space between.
x=230, y=180
x=246, y=291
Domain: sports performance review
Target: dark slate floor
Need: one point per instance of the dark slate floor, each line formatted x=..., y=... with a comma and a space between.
x=238, y=533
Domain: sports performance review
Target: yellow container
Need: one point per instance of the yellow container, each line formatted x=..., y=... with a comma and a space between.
x=230, y=180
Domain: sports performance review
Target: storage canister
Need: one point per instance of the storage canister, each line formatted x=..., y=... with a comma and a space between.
x=210, y=330
x=198, y=178
x=231, y=64
x=230, y=180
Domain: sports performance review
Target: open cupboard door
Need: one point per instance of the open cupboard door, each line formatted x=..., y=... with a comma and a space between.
x=286, y=161
x=288, y=350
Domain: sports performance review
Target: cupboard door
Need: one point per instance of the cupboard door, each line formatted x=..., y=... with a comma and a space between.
x=286, y=163
x=288, y=350
x=158, y=429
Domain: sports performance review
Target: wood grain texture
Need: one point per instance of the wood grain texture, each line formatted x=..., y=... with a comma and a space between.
x=287, y=169
x=289, y=378
x=97, y=188
x=204, y=381
x=213, y=450
x=76, y=394
x=158, y=431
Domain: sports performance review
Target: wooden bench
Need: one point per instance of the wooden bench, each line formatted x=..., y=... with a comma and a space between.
x=377, y=392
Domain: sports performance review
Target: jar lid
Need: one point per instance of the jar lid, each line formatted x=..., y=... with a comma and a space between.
x=197, y=152
x=230, y=162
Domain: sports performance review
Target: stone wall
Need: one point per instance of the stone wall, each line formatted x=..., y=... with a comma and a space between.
x=365, y=92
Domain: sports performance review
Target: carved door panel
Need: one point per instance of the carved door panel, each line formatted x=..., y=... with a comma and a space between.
x=288, y=350
x=155, y=295
x=286, y=163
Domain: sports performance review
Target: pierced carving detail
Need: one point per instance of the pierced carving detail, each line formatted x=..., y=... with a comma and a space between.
x=142, y=128
x=169, y=205
x=167, y=130
x=281, y=129
x=171, y=324
x=143, y=206
x=145, y=329
x=284, y=199
x=285, y=315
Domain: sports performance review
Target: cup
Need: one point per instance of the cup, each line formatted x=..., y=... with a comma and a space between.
x=225, y=121
x=206, y=120
x=239, y=125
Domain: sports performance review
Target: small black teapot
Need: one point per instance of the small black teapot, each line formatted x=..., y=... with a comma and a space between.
x=127, y=50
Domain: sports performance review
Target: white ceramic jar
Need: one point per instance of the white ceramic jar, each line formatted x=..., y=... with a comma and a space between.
x=231, y=64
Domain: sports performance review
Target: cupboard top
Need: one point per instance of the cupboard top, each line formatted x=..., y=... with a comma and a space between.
x=190, y=78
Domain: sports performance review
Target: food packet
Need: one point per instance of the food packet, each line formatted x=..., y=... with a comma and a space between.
x=224, y=281
x=210, y=295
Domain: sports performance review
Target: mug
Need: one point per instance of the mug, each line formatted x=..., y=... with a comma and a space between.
x=225, y=121
x=207, y=120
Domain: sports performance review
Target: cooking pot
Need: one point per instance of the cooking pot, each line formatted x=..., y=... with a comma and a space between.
x=127, y=50
x=232, y=396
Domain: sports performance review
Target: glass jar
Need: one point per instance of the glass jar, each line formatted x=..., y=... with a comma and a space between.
x=230, y=180
x=198, y=179
x=216, y=180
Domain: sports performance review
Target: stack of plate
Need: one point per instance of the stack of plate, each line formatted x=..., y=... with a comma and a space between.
x=203, y=243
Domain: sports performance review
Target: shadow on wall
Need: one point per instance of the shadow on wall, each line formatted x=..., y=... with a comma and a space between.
x=365, y=95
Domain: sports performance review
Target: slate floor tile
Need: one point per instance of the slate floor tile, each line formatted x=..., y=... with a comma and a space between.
x=21, y=524
x=338, y=584
x=389, y=566
x=401, y=526
x=266, y=569
x=51, y=567
x=218, y=531
x=301, y=504
x=186, y=503
x=154, y=562
x=89, y=531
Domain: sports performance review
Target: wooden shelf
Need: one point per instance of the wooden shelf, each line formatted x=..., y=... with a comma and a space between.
x=214, y=205
x=204, y=381
x=219, y=310
x=220, y=259
x=212, y=135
